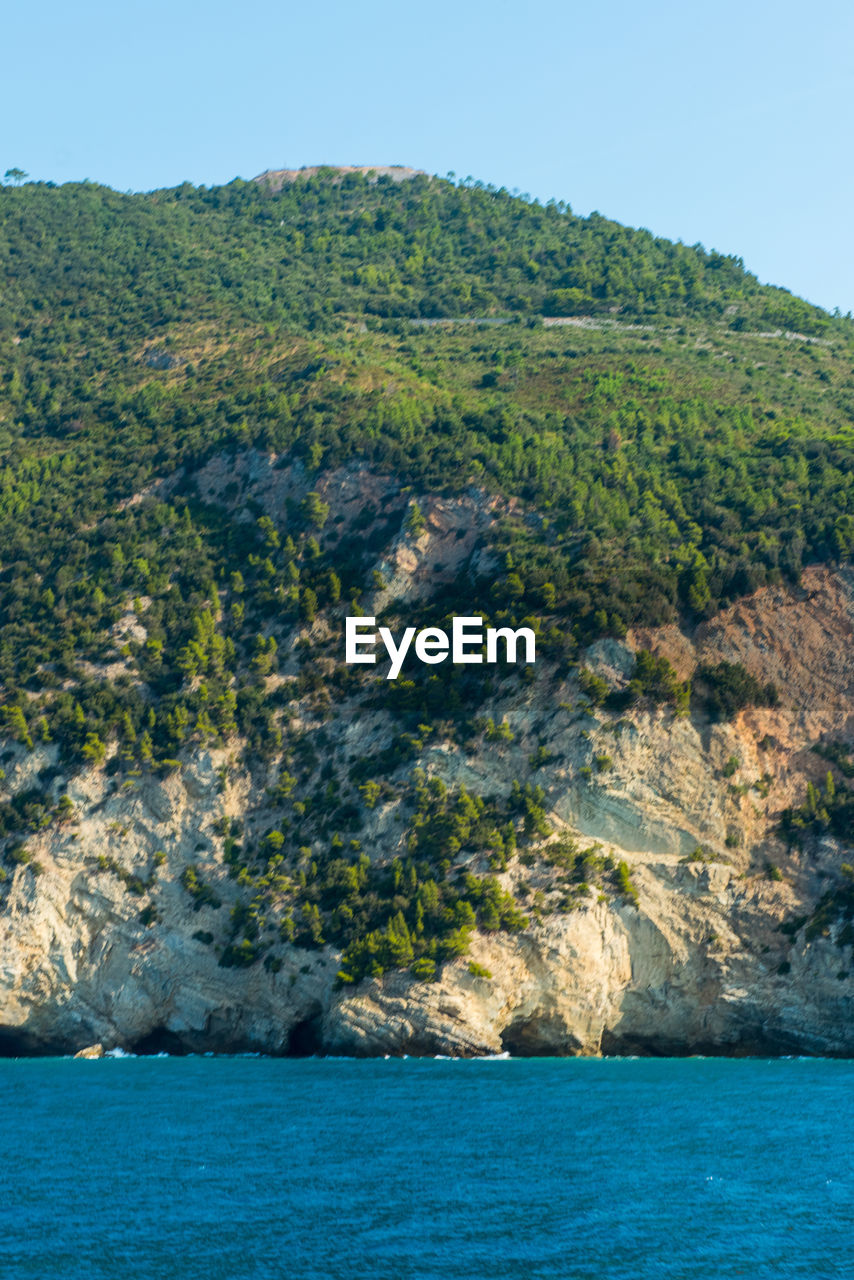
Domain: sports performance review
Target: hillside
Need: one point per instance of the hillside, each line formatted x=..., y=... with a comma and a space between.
x=230, y=416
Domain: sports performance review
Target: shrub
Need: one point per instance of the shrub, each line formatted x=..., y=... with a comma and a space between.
x=729, y=687
x=239, y=956
x=65, y=809
x=655, y=678
x=414, y=522
x=594, y=686
x=202, y=894
x=625, y=883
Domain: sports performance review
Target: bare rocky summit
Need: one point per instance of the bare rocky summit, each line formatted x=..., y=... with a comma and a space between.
x=275, y=179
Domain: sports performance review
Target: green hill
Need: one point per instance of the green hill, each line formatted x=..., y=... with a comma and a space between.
x=659, y=434
x=679, y=454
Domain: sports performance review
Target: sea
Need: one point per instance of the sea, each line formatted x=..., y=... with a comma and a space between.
x=204, y=1168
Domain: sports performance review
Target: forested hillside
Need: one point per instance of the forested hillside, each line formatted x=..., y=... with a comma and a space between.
x=654, y=433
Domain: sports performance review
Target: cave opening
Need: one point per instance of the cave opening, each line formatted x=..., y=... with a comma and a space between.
x=160, y=1040
x=304, y=1038
x=544, y=1036
x=19, y=1044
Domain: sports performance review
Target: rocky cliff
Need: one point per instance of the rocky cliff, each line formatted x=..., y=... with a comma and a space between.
x=716, y=944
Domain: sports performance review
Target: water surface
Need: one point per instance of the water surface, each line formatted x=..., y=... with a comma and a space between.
x=253, y=1167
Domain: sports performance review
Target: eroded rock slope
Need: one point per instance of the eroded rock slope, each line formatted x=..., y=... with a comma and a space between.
x=720, y=940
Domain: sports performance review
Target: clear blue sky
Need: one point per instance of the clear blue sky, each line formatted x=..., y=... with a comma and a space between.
x=727, y=123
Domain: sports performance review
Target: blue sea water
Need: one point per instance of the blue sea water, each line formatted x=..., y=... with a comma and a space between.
x=250, y=1167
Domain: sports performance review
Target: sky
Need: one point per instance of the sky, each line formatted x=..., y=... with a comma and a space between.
x=727, y=124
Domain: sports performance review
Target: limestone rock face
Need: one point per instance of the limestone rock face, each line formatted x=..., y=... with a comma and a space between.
x=100, y=944
x=91, y=1051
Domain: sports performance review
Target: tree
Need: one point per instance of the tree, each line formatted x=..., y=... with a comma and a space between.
x=15, y=176
x=414, y=522
x=15, y=723
x=93, y=749
x=314, y=510
x=308, y=601
x=699, y=594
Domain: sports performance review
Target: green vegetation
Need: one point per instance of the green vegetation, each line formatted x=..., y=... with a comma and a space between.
x=828, y=808
x=625, y=883
x=574, y=870
x=655, y=678
x=836, y=907
x=201, y=893
x=665, y=458
x=840, y=755
x=728, y=688
x=415, y=912
x=134, y=883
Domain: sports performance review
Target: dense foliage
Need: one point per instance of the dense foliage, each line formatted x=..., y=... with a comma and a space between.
x=325, y=246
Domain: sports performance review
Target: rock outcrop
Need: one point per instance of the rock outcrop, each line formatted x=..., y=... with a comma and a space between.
x=275, y=179
x=100, y=944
